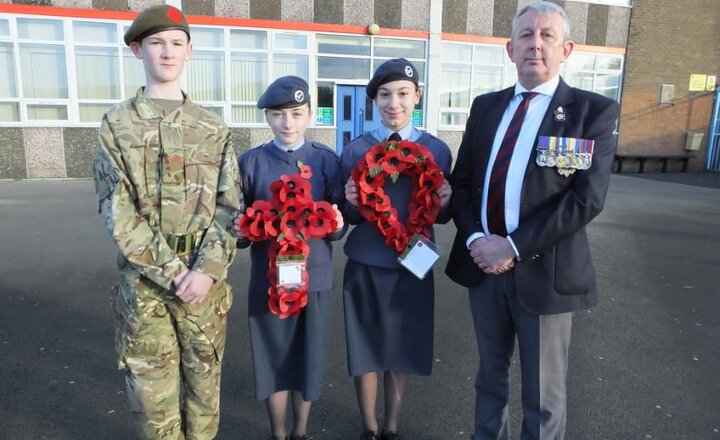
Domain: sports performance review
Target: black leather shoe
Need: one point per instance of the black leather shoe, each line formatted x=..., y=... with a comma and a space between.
x=369, y=435
x=389, y=436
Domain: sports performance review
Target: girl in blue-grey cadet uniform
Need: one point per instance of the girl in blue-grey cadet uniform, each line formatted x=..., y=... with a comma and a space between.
x=167, y=187
x=289, y=355
x=388, y=310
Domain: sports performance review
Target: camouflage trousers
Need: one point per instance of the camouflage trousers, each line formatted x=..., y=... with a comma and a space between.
x=172, y=355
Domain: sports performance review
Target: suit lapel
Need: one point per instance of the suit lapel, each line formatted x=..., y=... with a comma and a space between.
x=491, y=121
x=563, y=97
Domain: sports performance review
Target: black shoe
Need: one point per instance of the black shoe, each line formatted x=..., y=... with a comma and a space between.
x=389, y=436
x=299, y=437
x=369, y=435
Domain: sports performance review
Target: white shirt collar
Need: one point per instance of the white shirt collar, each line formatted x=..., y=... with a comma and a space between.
x=405, y=132
x=547, y=88
x=299, y=144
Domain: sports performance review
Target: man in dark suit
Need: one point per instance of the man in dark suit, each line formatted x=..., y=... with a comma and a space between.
x=532, y=171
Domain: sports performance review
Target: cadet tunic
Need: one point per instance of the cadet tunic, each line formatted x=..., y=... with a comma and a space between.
x=389, y=312
x=291, y=354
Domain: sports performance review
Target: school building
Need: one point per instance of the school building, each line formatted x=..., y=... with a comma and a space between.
x=63, y=63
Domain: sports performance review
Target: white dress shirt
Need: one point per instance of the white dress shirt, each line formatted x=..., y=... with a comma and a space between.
x=520, y=155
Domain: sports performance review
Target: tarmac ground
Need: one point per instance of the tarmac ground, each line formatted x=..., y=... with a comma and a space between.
x=644, y=363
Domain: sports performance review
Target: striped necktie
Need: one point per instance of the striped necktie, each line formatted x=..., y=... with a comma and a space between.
x=496, y=188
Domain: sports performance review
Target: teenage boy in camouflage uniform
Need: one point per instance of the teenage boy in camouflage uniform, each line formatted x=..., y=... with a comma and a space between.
x=167, y=187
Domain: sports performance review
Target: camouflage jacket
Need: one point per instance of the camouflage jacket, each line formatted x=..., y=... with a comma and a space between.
x=158, y=174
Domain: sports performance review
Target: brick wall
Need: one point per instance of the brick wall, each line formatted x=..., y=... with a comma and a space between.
x=668, y=40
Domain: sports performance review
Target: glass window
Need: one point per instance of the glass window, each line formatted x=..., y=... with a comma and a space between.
x=133, y=72
x=486, y=79
x=580, y=61
x=290, y=41
x=207, y=37
x=90, y=32
x=249, y=76
x=609, y=62
x=343, y=68
x=93, y=112
x=291, y=64
x=242, y=39
x=457, y=52
x=608, y=85
x=455, y=86
x=452, y=118
x=98, y=73
x=8, y=87
x=581, y=80
x=205, y=74
x=9, y=111
x=485, y=55
x=44, y=74
x=39, y=29
x=4, y=28
x=247, y=114
x=46, y=112
x=394, y=47
x=343, y=44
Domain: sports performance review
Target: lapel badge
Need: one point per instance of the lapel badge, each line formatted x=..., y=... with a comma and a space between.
x=559, y=114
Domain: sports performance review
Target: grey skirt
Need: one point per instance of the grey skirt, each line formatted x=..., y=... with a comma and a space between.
x=389, y=318
x=290, y=354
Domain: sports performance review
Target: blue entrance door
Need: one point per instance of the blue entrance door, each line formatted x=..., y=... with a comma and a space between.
x=356, y=114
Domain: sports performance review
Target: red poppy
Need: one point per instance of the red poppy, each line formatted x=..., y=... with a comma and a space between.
x=322, y=220
x=375, y=155
x=407, y=151
x=292, y=228
x=254, y=223
x=292, y=187
x=392, y=163
x=306, y=172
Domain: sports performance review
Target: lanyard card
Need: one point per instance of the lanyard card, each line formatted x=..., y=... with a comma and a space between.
x=419, y=256
x=290, y=270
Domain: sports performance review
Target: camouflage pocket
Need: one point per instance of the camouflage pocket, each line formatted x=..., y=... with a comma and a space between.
x=202, y=169
x=127, y=322
x=209, y=319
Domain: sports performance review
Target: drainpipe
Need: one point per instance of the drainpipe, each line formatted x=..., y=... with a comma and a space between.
x=433, y=81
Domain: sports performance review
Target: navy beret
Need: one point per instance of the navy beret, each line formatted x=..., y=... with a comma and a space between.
x=391, y=70
x=285, y=92
x=156, y=19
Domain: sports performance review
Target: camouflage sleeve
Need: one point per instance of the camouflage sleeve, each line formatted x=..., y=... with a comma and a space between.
x=144, y=248
x=219, y=243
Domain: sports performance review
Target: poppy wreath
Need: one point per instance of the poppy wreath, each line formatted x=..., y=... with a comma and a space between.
x=392, y=159
x=288, y=220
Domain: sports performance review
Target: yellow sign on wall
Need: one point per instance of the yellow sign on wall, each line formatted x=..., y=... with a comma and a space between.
x=697, y=82
x=710, y=83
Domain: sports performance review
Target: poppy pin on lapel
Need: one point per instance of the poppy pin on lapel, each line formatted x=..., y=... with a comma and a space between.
x=559, y=114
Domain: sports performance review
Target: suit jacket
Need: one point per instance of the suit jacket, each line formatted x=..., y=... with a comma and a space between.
x=555, y=273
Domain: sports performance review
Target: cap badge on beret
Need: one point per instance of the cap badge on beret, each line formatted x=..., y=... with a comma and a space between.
x=409, y=71
x=299, y=96
x=174, y=14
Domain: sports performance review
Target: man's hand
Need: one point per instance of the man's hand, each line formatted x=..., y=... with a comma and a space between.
x=444, y=192
x=193, y=287
x=351, y=193
x=493, y=254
